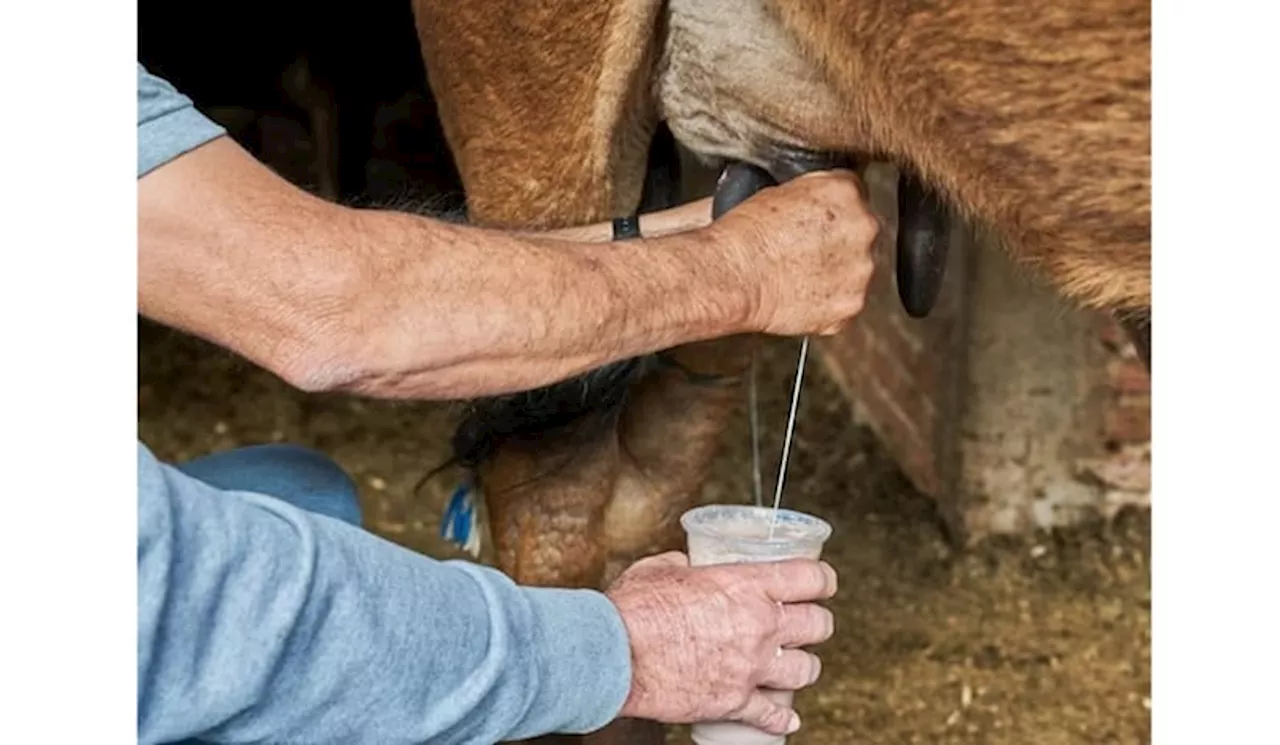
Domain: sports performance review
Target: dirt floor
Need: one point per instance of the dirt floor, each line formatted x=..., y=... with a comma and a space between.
x=1020, y=642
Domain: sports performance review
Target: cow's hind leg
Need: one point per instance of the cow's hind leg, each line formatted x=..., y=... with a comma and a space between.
x=667, y=438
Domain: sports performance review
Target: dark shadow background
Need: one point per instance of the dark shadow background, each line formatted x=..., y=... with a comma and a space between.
x=365, y=75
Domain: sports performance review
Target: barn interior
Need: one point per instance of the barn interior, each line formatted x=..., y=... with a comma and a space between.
x=1040, y=637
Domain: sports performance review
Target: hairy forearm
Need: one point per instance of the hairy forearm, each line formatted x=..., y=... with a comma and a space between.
x=476, y=312
x=396, y=305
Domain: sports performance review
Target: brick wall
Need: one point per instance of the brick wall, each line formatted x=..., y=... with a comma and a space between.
x=896, y=376
x=898, y=371
x=1123, y=469
x=1128, y=387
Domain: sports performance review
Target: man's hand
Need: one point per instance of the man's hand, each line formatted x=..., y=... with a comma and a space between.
x=802, y=249
x=704, y=640
x=805, y=247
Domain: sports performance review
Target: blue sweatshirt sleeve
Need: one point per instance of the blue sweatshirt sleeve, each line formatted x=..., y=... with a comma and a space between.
x=260, y=622
x=168, y=123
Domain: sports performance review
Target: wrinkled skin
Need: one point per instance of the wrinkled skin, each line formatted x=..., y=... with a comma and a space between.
x=705, y=639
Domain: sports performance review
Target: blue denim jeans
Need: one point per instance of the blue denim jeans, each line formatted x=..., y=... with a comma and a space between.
x=305, y=478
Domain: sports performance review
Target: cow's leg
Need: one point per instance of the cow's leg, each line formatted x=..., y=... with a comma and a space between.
x=667, y=438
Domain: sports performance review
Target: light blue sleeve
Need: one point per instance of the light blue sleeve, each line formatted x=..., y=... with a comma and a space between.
x=260, y=622
x=168, y=123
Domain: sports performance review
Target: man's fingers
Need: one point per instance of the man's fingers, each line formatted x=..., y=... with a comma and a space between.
x=796, y=580
x=803, y=624
x=764, y=714
x=792, y=670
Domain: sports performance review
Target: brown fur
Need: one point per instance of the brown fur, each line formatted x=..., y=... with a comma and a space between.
x=1034, y=120
x=543, y=104
x=1032, y=117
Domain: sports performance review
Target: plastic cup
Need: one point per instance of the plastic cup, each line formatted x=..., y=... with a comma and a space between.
x=735, y=534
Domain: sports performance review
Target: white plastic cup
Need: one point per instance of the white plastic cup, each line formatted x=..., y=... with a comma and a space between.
x=740, y=534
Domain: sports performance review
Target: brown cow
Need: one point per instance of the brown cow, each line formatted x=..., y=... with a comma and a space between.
x=1030, y=119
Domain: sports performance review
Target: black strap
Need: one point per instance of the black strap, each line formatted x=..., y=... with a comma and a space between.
x=626, y=228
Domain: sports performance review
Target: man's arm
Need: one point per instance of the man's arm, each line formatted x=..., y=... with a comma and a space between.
x=394, y=304
x=283, y=624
